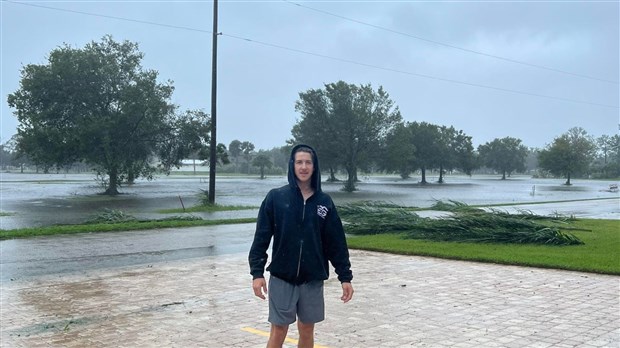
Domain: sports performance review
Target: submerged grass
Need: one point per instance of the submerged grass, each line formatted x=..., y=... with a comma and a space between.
x=205, y=205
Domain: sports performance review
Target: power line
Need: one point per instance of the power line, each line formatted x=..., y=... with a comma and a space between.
x=326, y=56
x=448, y=45
x=111, y=17
x=418, y=75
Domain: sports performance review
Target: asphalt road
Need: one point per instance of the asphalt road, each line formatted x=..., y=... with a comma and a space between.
x=79, y=253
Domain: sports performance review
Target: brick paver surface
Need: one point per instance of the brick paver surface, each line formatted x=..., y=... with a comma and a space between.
x=400, y=301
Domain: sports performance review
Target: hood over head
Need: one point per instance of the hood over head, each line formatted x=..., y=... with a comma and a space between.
x=315, y=180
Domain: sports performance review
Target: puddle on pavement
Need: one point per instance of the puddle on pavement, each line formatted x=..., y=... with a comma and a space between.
x=64, y=299
x=61, y=308
x=66, y=308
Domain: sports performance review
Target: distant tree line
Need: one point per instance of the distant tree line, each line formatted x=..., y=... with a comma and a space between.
x=356, y=127
x=96, y=109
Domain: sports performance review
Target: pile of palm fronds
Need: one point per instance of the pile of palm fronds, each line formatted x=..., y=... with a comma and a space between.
x=454, y=206
x=181, y=218
x=465, y=224
x=111, y=216
x=460, y=207
x=376, y=218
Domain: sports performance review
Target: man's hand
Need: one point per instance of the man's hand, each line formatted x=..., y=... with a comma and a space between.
x=347, y=292
x=259, y=285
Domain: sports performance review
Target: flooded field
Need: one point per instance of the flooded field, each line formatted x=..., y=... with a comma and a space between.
x=28, y=200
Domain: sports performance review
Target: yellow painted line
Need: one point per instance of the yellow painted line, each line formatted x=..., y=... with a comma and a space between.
x=266, y=334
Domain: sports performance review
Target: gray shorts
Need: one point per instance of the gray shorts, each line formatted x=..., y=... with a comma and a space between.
x=288, y=301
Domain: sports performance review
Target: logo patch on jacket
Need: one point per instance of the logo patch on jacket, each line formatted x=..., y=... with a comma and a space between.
x=321, y=211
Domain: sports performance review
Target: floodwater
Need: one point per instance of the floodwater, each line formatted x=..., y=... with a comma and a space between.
x=32, y=200
x=45, y=199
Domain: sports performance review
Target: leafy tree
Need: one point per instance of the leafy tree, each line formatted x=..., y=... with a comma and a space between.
x=608, y=156
x=262, y=161
x=457, y=151
x=426, y=139
x=238, y=150
x=281, y=156
x=346, y=124
x=531, y=160
x=426, y=146
x=612, y=168
x=398, y=151
x=247, y=148
x=220, y=152
x=571, y=153
x=234, y=149
x=604, y=146
x=6, y=155
x=505, y=155
x=190, y=138
x=313, y=106
x=97, y=105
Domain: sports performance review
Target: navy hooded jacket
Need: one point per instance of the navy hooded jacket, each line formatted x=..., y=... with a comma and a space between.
x=306, y=235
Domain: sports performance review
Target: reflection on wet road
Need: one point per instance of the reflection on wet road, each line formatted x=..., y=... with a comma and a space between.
x=47, y=256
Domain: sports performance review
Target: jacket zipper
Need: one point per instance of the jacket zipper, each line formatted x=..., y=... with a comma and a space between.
x=301, y=242
x=301, y=248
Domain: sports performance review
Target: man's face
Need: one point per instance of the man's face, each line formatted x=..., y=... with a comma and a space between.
x=303, y=167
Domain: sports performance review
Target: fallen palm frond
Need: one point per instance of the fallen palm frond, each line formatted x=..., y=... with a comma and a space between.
x=376, y=218
x=454, y=206
x=529, y=215
x=490, y=228
x=465, y=224
x=111, y=216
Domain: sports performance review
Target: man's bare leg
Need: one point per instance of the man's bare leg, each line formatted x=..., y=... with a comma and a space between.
x=306, y=335
x=277, y=336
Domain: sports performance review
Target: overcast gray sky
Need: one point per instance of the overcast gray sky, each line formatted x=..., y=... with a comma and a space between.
x=525, y=69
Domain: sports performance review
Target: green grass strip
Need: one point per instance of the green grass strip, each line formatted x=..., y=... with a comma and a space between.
x=598, y=254
x=111, y=227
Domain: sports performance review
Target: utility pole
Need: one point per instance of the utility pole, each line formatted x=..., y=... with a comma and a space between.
x=213, y=143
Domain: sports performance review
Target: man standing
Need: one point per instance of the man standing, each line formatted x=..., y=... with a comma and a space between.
x=307, y=233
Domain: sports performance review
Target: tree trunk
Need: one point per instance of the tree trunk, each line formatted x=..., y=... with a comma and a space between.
x=349, y=185
x=131, y=177
x=441, y=174
x=113, y=183
x=503, y=175
x=567, y=180
x=423, y=171
x=262, y=172
x=332, y=175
